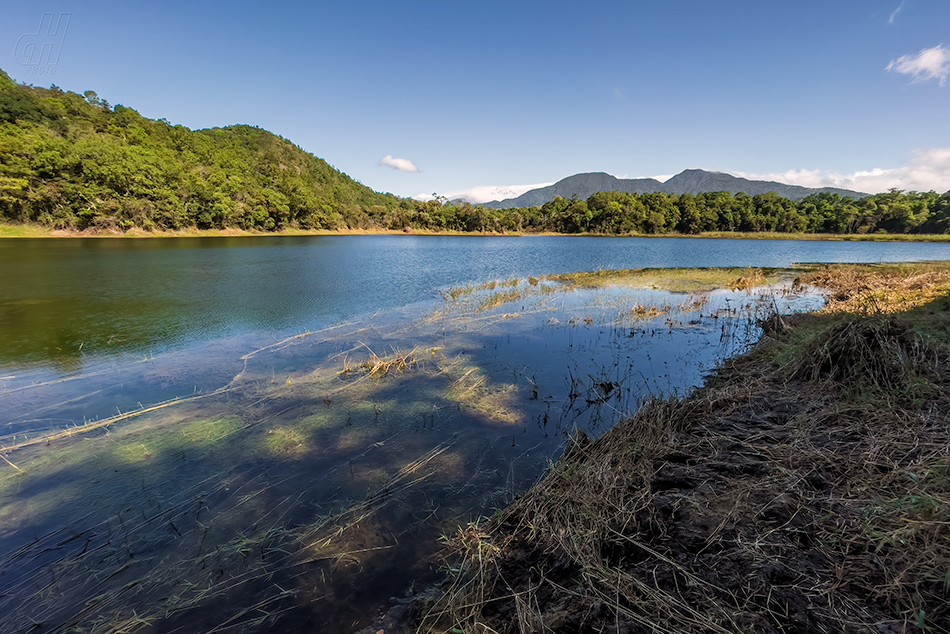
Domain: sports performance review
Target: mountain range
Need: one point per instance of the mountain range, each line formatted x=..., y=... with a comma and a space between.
x=691, y=181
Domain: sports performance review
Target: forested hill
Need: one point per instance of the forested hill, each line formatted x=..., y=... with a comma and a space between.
x=70, y=161
x=73, y=161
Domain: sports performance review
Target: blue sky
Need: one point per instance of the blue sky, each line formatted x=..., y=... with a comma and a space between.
x=492, y=94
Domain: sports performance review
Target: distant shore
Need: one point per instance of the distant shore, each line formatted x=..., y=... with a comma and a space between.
x=37, y=231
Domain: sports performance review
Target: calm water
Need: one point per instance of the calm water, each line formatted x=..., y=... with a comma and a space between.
x=65, y=302
x=269, y=480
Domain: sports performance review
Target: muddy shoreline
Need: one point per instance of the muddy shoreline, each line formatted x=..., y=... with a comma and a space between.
x=804, y=488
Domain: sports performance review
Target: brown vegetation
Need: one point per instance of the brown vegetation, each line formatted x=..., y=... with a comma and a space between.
x=805, y=488
x=882, y=288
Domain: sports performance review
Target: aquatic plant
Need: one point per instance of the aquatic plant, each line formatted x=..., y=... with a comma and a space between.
x=294, y=480
x=498, y=299
x=375, y=366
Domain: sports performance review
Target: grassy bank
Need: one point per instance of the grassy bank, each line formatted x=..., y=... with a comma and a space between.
x=39, y=231
x=805, y=488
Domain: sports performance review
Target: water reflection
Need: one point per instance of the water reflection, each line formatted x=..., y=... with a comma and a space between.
x=296, y=484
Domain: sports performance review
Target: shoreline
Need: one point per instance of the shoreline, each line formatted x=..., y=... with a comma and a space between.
x=753, y=457
x=802, y=488
x=13, y=231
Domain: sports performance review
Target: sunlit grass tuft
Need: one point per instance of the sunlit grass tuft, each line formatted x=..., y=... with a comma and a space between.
x=376, y=366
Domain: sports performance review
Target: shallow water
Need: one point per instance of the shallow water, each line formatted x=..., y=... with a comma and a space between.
x=202, y=447
x=296, y=484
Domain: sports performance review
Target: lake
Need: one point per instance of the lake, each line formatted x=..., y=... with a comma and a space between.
x=64, y=302
x=243, y=434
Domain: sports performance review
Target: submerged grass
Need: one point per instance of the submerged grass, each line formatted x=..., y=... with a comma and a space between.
x=456, y=293
x=500, y=298
x=243, y=527
x=484, y=297
x=641, y=311
x=805, y=488
x=170, y=549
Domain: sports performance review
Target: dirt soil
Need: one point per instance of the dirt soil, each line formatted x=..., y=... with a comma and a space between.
x=805, y=488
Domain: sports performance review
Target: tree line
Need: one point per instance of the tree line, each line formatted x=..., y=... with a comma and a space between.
x=619, y=213
x=71, y=161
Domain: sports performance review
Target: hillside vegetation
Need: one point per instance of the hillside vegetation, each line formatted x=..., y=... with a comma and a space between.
x=70, y=161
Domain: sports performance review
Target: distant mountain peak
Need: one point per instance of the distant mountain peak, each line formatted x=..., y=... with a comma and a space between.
x=689, y=181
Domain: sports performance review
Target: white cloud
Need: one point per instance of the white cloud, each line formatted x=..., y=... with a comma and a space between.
x=401, y=164
x=928, y=170
x=486, y=193
x=657, y=177
x=930, y=63
x=896, y=11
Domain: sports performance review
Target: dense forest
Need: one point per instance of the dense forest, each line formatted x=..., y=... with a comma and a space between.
x=70, y=161
x=73, y=161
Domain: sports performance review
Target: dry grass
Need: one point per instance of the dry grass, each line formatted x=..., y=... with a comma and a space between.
x=806, y=488
x=869, y=356
x=376, y=366
x=883, y=288
x=750, y=280
x=640, y=311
